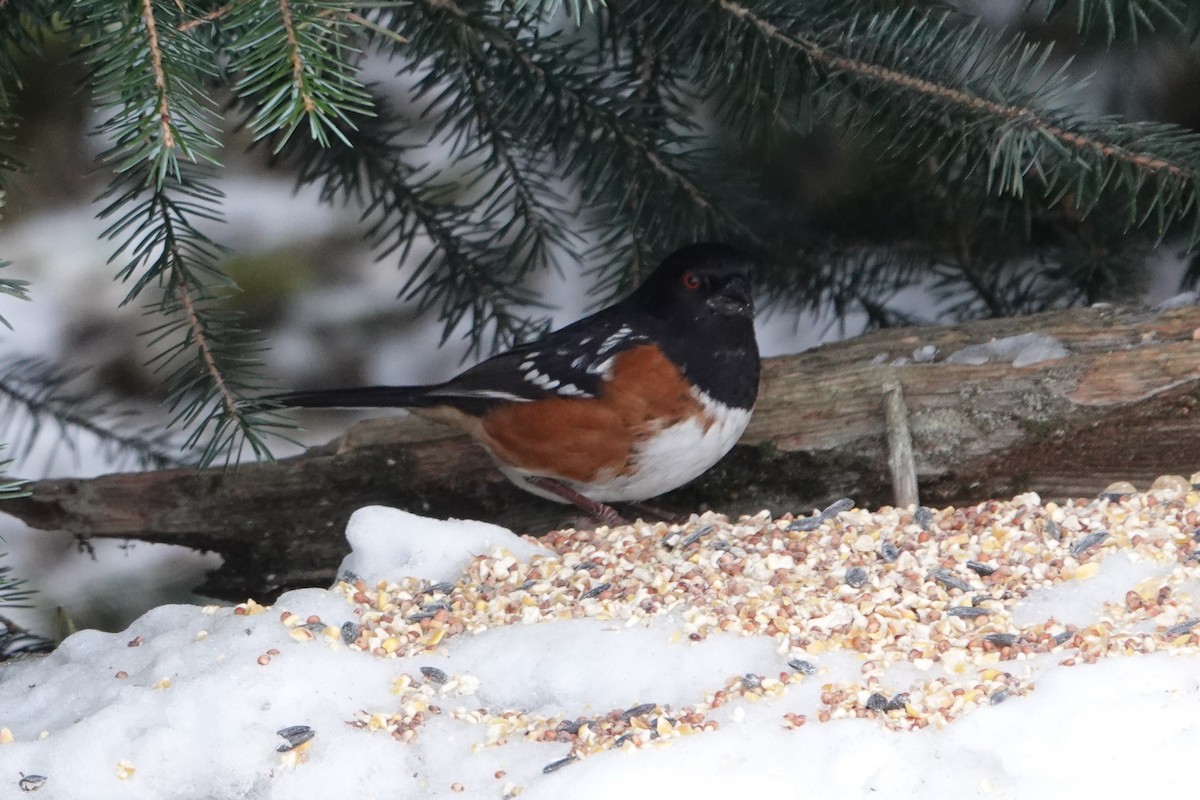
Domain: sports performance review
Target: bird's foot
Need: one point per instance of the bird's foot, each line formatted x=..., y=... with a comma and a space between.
x=598, y=511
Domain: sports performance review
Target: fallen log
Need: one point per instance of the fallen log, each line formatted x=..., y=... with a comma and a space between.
x=1118, y=404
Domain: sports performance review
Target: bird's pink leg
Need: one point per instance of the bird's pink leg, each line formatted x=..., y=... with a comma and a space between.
x=606, y=514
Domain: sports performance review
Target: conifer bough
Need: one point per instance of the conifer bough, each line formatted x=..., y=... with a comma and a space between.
x=602, y=133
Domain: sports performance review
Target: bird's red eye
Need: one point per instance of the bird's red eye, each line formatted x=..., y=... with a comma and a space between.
x=691, y=281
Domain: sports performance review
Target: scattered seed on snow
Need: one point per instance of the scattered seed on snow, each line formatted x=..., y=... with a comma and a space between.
x=31, y=783
x=596, y=591
x=837, y=507
x=434, y=675
x=967, y=611
x=877, y=702
x=831, y=511
x=805, y=524
x=763, y=577
x=948, y=580
x=350, y=632
x=296, y=735
x=1181, y=628
x=638, y=711
x=557, y=765
x=923, y=516
x=803, y=667
x=1002, y=639
x=1091, y=540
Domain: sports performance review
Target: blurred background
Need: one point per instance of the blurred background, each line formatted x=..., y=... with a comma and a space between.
x=331, y=308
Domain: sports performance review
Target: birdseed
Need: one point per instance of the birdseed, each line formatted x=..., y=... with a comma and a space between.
x=941, y=608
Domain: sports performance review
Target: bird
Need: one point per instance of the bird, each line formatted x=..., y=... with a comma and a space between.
x=620, y=406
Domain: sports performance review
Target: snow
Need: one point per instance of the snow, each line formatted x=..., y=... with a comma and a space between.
x=1022, y=350
x=419, y=547
x=181, y=705
x=1181, y=300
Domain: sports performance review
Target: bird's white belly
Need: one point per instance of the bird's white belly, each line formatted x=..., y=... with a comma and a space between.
x=667, y=459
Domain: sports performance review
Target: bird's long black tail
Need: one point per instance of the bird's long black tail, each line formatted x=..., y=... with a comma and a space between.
x=361, y=397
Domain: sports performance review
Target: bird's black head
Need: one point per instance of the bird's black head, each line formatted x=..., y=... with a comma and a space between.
x=699, y=282
x=701, y=314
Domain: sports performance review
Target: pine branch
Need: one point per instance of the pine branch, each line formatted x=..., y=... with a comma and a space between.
x=151, y=73
x=152, y=76
x=1017, y=200
x=463, y=276
x=931, y=86
x=550, y=72
x=205, y=19
x=10, y=489
x=208, y=358
x=519, y=190
x=297, y=66
x=13, y=287
x=23, y=26
x=1125, y=20
x=13, y=593
x=545, y=9
x=35, y=394
x=558, y=98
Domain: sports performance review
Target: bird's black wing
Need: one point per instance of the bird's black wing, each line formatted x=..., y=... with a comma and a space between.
x=571, y=362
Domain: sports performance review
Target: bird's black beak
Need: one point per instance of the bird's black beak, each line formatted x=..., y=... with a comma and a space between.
x=733, y=300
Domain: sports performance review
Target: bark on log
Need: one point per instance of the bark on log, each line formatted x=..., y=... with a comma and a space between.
x=1121, y=406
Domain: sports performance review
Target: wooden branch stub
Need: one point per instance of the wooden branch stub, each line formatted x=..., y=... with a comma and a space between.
x=1121, y=406
x=901, y=462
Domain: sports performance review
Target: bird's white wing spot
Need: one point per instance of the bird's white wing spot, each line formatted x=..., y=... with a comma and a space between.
x=571, y=390
x=613, y=340
x=599, y=367
x=488, y=394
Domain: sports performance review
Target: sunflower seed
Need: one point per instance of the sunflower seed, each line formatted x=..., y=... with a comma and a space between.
x=434, y=675
x=969, y=612
x=1091, y=540
x=803, y=667
x=1002, y=639
x=350, y=632
x=554, y=766
x=296, y=735
x=1181, y=628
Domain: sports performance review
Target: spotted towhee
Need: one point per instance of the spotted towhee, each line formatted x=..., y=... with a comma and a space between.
x=621, y=406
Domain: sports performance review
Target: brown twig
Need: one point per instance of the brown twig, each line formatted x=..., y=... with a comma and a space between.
x=160, y=76
x=211, y=16
x=289, y=29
